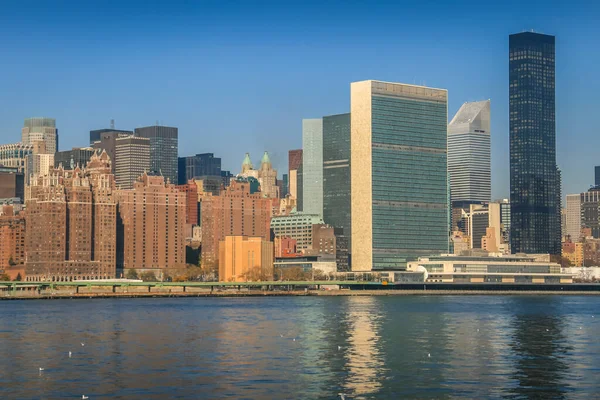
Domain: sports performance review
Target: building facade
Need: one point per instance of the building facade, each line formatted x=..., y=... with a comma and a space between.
x=69, y=159
x=41, y=129
x=152, y=216
x=132, y=159
x=299, y=227
x=12, y=238
x=573, y=217
x=107, y=141
x=99, y=134
x=234, y=212
x=312, y=166
x=469, y=154
x=245, y=259
x=12, y=184
x=267, y=177
x=590, y=212
x=71, y=224
x=163, y=150
x=294, y=162
x=398, y=174
x=197, y=166
x=534, y=175
x=15, y=155
x=336, y=172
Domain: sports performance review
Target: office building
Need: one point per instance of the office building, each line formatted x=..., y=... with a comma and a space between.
x=71, y=224
x=12, y=183
x=336, y=171
x=152, y=234
x=236, y=211
x=499, y=221
x=590, y=212
x=284, y=185
x=469, y=154
x=226, y=177
x=300, y=188
x=312, y=166
x=132, y=159
x=69, y=159
x=479, y=219
x=597, y=176
x=99, y=134
x=534, y=176
x=42, y=129
x=573, y=217
x=398, y=174
x=245, y=259
x=297, y=226
x=163, y=150
x=15, y=156
x=197, y=166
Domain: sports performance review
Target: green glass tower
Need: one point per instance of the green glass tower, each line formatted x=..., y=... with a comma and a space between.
x=399, y=183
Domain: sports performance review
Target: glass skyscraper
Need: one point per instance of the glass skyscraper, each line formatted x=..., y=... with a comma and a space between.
x=191, y=167
x=534, y=175
x=163, y=150
x=312, y=166
x=336, y=171
x=398, y=165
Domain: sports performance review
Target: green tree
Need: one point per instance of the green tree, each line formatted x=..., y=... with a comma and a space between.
x=4, y=278
x=148, y=276
x=19, y=278
x=11, y=262
x=131, y=274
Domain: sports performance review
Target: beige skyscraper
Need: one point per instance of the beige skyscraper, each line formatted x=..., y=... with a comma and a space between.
x=43, y=129
x=573, y=217
x=267, y=177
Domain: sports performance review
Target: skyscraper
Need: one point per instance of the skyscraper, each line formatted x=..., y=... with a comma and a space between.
x=534, y=175
x=336, y=173
x=312, y=166
x=163, y=150
x=98, y=134
x=399, y=183
x=469, y=154
x=191, y=167
x=294, y=162
x=132, y=159
x=43, y=129
x=69, y=159
x=573, y=217
x=597, y=176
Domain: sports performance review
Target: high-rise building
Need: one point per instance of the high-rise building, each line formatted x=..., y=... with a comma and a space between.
x=590, y=211
x=71, y=224
x=336, y=171
x=15, y=156
x=597, y=176
x=107, y=141
x=199, y=165
x=573, y=217
x=312, y=166
x=132, y=159
x=284, y=185
x=469, y=154
x=69, y=159
x=534, y=175
x=244, y=259
x=294, y=162
x=267, y=177
x=163, y=150
x=399, y=184
x=12, y=238
x=236, y=211
x=191, y=202
x=43, y=129
x=499, y=221
x=98, y=135
x=479, y=221
x=152, y=232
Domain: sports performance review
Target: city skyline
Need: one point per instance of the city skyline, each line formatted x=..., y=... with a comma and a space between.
x=266, y=107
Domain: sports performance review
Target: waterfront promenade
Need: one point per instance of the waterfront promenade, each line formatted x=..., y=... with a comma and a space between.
x=130, y=289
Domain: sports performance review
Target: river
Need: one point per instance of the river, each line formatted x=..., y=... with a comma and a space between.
x=383, y=347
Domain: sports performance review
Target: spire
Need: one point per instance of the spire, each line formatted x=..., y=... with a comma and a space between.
x=247, y=161
x=265, y=159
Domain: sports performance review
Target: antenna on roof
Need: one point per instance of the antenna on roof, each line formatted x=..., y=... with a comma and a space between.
x=112, y=124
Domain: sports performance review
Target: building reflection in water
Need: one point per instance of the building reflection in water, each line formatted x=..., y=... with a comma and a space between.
x=363, y=353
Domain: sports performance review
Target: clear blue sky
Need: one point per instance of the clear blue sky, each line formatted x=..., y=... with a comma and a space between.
x=240, y=76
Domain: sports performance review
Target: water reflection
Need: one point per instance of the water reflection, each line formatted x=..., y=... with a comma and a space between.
x=364, y=361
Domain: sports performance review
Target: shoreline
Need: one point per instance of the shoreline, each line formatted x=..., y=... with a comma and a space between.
x=322, y=293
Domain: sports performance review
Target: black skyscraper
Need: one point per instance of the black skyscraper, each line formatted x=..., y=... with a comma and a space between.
x=163, y=150
x=534, y=176
x=198, y=166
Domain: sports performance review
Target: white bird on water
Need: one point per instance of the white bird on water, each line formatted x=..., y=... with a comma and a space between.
x=70, y=354
x=339, y=347
x=342, y=396
x=294, y=339
x=82, y=344
x=41, y=369
x=84, y=397
x=429, y=355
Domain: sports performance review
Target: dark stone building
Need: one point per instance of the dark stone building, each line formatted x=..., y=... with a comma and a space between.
x=163, y=150
x=191, y=167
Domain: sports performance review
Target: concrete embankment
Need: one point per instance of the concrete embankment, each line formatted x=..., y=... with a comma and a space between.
x=98, y=293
